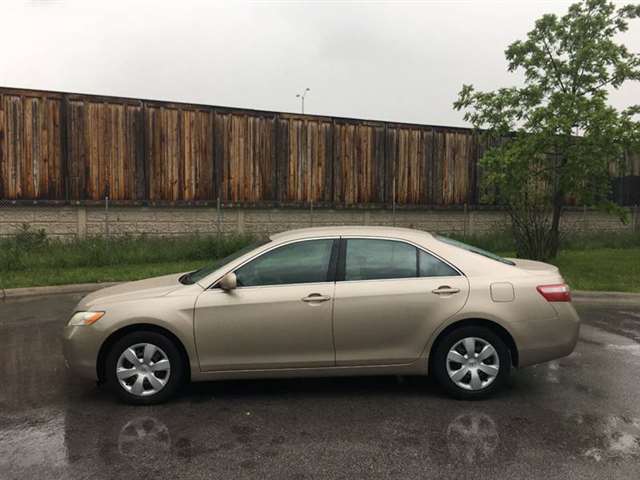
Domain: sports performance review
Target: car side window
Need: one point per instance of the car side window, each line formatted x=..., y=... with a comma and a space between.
x=300, y=262
x=369, y=259
x=430, y=266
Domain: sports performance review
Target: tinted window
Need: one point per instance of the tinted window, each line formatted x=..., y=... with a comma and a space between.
x=375, y=259
x=302, y=262
x=198, y=275
x=430, y=266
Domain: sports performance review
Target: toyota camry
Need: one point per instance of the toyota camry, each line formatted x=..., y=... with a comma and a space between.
x=325, y=302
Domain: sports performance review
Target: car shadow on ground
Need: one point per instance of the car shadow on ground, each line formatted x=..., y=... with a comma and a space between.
x=339, y=388
x=316, y=387
x=325, y=387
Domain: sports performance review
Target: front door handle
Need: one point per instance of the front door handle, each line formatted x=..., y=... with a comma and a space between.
x=445, y=290
x=315, y=297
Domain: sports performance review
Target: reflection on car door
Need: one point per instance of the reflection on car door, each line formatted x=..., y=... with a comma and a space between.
x=384, y=312
x=278, y=317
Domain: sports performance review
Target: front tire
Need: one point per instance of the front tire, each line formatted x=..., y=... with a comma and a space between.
x=144, y=368
x=471, y=362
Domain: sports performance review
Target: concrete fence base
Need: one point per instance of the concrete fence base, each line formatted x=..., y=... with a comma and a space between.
x=79, y=221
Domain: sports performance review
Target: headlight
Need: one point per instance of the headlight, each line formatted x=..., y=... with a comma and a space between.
x=85, y=318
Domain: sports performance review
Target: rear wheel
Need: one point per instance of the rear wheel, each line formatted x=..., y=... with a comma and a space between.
x=144, y=368
x=471, y=362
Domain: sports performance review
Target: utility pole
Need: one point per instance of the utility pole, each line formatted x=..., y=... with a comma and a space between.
x=301, y=97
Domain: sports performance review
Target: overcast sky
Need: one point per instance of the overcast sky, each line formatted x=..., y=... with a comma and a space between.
x=387, y=61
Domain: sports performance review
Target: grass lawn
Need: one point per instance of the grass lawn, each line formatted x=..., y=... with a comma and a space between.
x=34, y=260
x=107, y=273
x=607, y=269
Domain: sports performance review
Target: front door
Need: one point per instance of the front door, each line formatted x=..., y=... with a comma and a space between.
x=279, y=316
x=390, y=300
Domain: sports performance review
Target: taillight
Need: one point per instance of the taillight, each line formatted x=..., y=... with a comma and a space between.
x=555, y=293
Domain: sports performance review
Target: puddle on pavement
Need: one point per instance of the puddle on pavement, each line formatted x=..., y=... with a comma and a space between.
x=144, y=438
x=33, y=442
x=619, y=438
x=552, y=372
x=75, y=439
x=632, y=349
x=472, y=437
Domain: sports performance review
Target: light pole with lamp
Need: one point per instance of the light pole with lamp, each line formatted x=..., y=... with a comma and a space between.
x=302, y=95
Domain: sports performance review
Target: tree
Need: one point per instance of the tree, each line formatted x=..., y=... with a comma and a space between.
x=556, y=137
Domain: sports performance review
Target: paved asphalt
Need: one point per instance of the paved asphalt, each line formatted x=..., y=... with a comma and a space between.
x=578, y=417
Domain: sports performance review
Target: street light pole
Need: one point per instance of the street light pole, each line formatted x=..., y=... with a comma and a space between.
x=301, y=97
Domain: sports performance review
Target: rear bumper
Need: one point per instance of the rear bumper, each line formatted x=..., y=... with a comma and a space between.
x=550, y=339
x=80, y=346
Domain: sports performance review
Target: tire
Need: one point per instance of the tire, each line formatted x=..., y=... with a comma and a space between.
x=146, y=382
x=469, y=380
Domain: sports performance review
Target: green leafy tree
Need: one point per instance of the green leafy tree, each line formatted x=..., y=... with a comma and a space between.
x=556, y=137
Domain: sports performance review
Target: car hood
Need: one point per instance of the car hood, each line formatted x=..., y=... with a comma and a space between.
x=148, y=288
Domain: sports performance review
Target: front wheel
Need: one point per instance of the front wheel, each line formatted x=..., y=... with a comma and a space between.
x=144, y=368
x=471, y=362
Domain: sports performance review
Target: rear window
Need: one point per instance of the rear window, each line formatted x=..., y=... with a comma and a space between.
x=372, y=259
x=471, y=248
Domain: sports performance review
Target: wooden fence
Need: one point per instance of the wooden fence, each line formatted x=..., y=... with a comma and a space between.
x=60, y=147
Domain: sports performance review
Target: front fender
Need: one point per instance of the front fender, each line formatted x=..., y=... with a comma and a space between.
x=171, y=313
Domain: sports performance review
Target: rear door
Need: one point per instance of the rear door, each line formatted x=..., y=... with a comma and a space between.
x=389, y=298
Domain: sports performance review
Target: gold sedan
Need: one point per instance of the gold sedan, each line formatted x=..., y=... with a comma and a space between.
x=327, y=301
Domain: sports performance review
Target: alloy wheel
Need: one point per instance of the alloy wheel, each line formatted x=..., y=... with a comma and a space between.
x=472, y=363
x=143, y=369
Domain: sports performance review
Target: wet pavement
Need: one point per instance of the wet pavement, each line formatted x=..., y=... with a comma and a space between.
x=578, y=417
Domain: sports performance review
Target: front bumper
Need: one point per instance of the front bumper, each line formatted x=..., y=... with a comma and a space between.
x=80, y=346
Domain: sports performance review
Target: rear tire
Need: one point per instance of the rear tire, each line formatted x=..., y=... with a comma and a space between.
x=144, y=368
x=471, y=362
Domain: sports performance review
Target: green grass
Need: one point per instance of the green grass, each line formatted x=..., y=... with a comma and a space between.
x=33, y=252
x=596, y=262
x=108, y=273
x=31, y=259
x=501, y=241
x=600, y=261
x=605, y=269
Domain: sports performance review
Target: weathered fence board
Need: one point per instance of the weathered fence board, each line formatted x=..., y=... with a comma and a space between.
x=410, y=169
x=304, y=159
x=30, y=146
x=179, y=144
x=359, y=163
x=246, y=157
x=103, y=149
x=633, y=161
x=70, y=147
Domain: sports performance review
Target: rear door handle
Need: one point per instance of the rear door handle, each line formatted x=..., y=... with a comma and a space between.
x=315, y=297
x=445, y=290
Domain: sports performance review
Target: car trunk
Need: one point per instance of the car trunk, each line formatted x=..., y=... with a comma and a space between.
x=535, y=267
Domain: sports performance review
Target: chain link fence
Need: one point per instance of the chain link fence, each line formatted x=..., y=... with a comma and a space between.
x=16, y=229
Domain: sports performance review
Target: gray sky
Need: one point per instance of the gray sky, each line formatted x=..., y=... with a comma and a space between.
x=400, y=61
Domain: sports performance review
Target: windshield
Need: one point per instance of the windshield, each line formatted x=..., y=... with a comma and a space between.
x=471, y=248
x=193, y=277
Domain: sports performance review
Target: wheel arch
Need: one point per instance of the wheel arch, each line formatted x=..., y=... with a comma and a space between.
x=495, y=327
x=121, y=332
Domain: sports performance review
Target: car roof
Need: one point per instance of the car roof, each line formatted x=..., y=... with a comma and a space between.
x=369, y=231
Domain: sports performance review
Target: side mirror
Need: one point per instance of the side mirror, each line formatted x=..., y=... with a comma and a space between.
x=228, y=282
